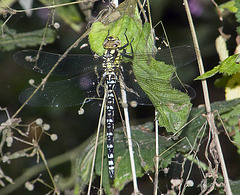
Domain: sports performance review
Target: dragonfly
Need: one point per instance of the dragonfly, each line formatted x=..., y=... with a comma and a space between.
x=90, y=77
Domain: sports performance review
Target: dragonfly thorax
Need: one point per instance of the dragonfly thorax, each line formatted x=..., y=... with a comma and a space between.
x=111, y=59
x=112, y=43
x=111, y=56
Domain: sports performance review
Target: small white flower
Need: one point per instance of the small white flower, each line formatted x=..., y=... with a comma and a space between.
x=29, y=186
x=190, y=183
x=54, y=137
x=9, y=141
x=81, y=111
x=5, y=159
x=56, y=25
x=46, y=127
x=39, y=121
x=31, y=81
x=133, y=104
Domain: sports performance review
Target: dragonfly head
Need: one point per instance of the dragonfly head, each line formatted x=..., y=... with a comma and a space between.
x=111, y=43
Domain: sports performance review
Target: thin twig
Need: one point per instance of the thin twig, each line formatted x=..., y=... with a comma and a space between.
x=48, y=7
x=129, y=139
x=157, y=156
x=46, y=165
x=103, y=145
x=96, y=142
x=210, y=116
x=197, y=145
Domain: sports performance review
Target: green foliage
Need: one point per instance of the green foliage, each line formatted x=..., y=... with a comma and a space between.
x=153, y=76
x=229, y=112
x=144, y=153
x=144, y=146
x=229, y=5
x=69, y=14
x=228, y=66
x=231, y=121
x=4, y=4
x=237, y=4
x=100, y=31
x=235, y=185
x=127, y=23
x=209, y=74
x=10, y=40
x=84, y=163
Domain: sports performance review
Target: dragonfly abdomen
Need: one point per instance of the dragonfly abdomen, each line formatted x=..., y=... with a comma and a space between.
x=111, y=79
x=110, y=82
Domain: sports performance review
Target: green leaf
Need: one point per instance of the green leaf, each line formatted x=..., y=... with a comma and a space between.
x=237, y=15
x=5, y=4
x=144, y=153
x=69, y=14
x=235, y=186
x=229, y=5
x=231, y=121
x=127, y=23
x=100, y=31
x=222, y=82
x=173, y=106
x=208, y=74
x=228, y=66
x=154, y=77
x=228, y=110
x=84, y=163
x=232, y=90
x=237, y=4
x=10, y=40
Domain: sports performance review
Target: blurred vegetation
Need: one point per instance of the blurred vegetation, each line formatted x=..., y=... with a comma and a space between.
x=73, y=129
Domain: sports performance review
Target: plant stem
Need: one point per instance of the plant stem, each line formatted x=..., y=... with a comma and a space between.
x=210, y=116
x=129, y=139
x=157, y=156
x=96, y=142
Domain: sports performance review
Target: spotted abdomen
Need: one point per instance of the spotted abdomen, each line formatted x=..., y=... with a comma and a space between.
x=110, y=82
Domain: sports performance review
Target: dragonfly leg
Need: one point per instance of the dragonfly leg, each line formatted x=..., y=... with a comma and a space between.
x=124, y=53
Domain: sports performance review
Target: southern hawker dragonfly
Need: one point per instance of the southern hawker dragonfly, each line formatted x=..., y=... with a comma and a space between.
x=89, y=77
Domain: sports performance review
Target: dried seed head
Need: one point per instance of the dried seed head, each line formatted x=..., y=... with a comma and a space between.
x=31, y=81
x=9, y=141
x=46, y=127
x=54, y=137
x=39, y=121
x=56, y=25
x=81, y=111
x=29, y=186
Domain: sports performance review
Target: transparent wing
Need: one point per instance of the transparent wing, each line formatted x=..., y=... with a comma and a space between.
x=181, y=55
x=64, y=93
x=136, y=93
x=71, y=65
x=74, y=64
x=73, y=91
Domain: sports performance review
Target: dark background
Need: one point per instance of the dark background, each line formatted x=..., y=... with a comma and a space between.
x=73, y=129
